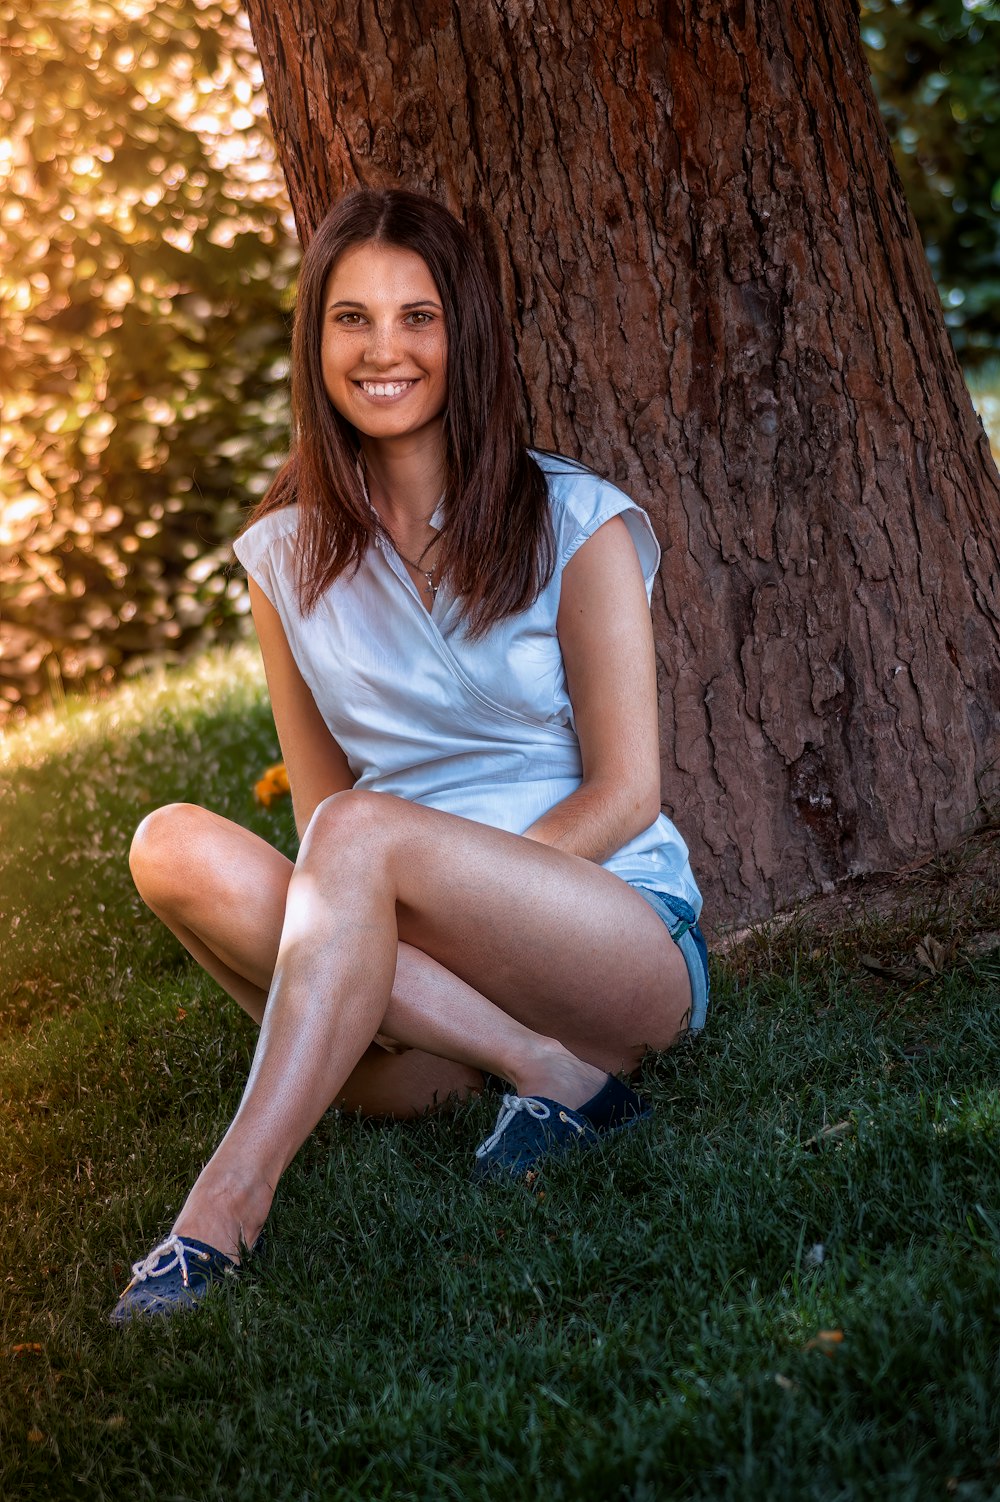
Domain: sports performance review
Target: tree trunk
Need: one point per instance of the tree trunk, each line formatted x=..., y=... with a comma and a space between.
x=720, y=301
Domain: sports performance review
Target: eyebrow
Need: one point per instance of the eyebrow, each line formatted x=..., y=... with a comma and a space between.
x=425, y=302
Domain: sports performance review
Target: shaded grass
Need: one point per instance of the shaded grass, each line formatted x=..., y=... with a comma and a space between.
x=644, y=1323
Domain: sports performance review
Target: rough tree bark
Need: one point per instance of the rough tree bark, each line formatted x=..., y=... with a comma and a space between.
x=719, y=300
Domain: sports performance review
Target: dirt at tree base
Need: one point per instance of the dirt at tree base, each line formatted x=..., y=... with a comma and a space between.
x=907, y=926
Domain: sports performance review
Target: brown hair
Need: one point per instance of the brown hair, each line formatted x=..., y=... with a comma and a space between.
x=497, y=544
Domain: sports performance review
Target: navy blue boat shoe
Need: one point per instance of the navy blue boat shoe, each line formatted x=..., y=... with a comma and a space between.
x=531, y=1127
x=614, y=1107
x=176, y=1275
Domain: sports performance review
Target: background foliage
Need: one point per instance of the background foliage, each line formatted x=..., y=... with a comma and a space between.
x=147, y=269
x=146, y=273
x=936, y=69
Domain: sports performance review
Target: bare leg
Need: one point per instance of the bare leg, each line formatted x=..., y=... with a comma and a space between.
x=559, y=942
x=222, y=891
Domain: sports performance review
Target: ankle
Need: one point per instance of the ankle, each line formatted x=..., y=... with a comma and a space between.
x=553, y=1071
x=538, y=1057
x=225, y=1211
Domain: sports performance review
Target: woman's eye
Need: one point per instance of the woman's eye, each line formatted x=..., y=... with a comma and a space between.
x=420, y=318
x=348, y=318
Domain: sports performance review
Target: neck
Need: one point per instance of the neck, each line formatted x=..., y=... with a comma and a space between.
x=405, y=479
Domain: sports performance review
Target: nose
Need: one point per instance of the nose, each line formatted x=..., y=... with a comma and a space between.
x=383, y=343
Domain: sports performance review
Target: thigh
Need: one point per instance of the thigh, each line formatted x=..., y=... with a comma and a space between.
x=558, y=942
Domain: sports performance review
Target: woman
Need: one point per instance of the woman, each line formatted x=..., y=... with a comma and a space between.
x=458, y=648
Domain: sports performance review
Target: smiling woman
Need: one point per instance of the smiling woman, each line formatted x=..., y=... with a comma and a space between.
x=474, y=453
x=485, y=888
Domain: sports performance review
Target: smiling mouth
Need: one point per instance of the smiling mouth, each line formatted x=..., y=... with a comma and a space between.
x=385, y=388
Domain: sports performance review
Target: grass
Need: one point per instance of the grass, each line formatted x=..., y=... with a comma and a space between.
x=787, y=1286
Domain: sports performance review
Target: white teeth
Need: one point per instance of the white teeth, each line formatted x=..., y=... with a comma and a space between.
x=383, y=388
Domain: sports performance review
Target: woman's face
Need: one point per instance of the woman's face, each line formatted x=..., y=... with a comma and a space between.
x=385, y=347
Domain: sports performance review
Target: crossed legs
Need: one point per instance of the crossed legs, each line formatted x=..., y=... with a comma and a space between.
x=476, y=948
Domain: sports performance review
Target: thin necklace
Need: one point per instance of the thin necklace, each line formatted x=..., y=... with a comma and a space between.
x=428, y=574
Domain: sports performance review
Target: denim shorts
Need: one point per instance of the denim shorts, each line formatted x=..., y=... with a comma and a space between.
x=679, y=917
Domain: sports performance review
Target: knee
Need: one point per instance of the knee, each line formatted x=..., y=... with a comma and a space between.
x=352, y=821
x=161, y=852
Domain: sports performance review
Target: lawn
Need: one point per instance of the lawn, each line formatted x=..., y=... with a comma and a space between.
x=785, y=1286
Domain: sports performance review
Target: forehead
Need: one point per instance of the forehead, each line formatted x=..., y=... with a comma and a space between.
x=380, y=273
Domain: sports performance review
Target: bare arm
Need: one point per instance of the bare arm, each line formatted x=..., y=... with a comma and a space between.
x=606, y=638
x=315, y=763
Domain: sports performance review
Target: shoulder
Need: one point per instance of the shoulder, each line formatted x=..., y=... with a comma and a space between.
x=582, y=501
x=267, y=552
x=261, y=536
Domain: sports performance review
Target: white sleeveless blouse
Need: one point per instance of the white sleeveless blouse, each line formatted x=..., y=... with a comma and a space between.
x=483, y=728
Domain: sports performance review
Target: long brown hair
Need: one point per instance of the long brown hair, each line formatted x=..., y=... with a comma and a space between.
x=497, y=544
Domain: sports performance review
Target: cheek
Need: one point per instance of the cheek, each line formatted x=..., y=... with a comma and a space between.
x=334, y=383
x=332, y=370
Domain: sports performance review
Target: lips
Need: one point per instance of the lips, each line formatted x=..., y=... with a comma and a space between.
x=385, y=388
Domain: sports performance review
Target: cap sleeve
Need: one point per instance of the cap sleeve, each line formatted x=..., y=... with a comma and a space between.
x=582, y=502
x=265, y=551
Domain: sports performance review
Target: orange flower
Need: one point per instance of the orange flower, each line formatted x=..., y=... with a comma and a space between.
x=273, y=784
x=826, y=1341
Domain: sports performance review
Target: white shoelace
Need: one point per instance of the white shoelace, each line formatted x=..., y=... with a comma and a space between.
x=146, y=1267
x=512, y=1104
